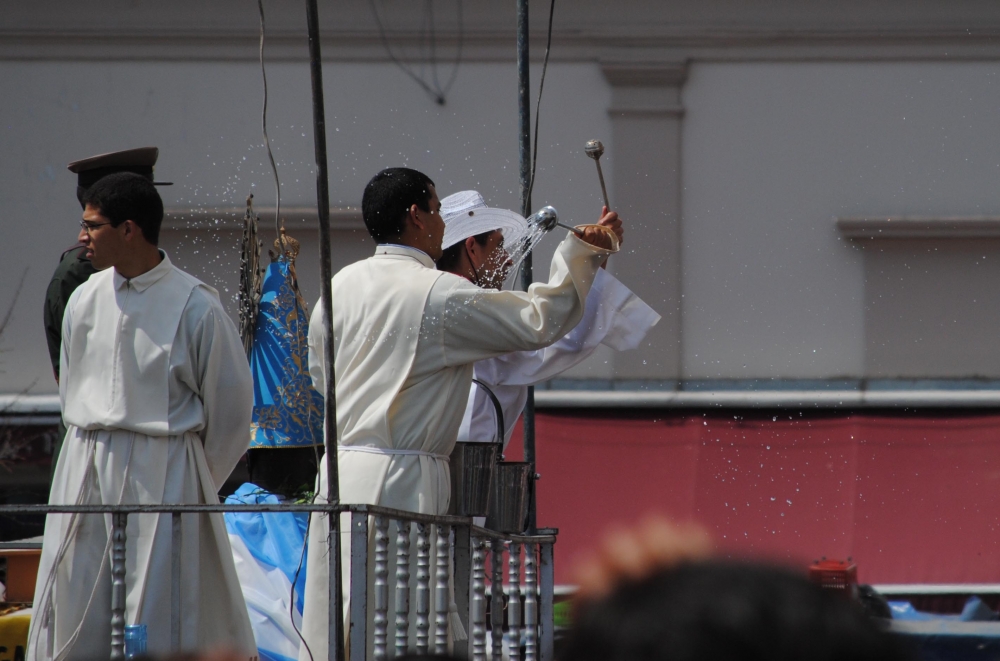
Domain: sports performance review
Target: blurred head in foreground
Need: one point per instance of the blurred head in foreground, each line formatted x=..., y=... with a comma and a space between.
x=671, y=601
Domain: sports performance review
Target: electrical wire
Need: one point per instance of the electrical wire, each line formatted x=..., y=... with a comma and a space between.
x=267, y=140
x=538, y=104
x=427, y=33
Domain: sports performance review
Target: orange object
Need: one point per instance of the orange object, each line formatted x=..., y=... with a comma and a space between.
x=22, y=569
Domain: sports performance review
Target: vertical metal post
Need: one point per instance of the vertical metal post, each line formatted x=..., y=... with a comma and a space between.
x=496, y=598
x=477, y=634
x=381, y=596
x=402, y=585
x=514, y=602
x=336, y=610
x=359, y=587
x=547, y=605
x=118, y=523
x=423, y=586
x=463, y=584
x=530, y=602
x=524, y=158
x=175, y=582
x=442, y=597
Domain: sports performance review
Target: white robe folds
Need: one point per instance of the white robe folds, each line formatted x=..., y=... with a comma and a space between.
x=612, y=316
x=405, y=338
x=156, y=396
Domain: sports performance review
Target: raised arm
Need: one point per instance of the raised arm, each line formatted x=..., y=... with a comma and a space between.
x=477, y=323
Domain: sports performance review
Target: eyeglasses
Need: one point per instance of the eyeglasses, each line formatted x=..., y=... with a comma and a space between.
x=90, y=227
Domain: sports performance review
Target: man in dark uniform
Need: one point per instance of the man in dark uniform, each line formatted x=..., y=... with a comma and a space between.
x=74, y=266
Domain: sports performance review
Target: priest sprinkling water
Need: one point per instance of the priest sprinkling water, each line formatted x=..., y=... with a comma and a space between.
x=156, y=396
x=406, y=336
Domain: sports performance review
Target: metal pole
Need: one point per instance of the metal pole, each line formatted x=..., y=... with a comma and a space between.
x=524, y=155
x=336, y=610
x=119, y=522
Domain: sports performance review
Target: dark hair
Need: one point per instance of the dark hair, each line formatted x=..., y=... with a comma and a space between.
x=727, y=611
x=127, y=196
x=449, y=258
x=388, y=198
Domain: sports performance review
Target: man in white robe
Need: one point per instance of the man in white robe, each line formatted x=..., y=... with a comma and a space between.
x=474, y=248
x=405, y=337
x=156, y=397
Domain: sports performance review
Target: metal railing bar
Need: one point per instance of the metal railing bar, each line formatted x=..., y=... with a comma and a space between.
x=175, y=582
x=442, y=598
x=164, y=508
x=358, y=632
x=496, y=598
x=119, y=522
x=546, y=604
x=493, y=535
x=423, y=587
x=463, y=585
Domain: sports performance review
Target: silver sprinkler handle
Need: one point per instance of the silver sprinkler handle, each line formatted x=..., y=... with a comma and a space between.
x=594, y=149
x=548, y=219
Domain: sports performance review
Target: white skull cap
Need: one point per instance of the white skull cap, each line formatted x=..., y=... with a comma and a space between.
x=465, y=214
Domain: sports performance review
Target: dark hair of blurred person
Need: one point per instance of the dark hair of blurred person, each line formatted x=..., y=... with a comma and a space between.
x=725, y=611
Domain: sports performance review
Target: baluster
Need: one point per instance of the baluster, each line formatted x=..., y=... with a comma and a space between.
x=547, y=603
x=381, y=619
x=423, y=586
x=442, y=598
x=118, y=523
x=514, y=603
x=478, y=600
x=496, y=599
x=358, y=630
x=402, y=585
x=175, y=582
x=530, y=602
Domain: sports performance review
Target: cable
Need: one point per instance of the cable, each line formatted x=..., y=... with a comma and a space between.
x=436, y=92
x=538, y=105
x=263, y=128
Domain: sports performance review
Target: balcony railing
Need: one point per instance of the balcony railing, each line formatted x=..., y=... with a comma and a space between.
x=458, y=543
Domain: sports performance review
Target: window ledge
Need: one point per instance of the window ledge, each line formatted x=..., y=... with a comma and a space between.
x=920, y=227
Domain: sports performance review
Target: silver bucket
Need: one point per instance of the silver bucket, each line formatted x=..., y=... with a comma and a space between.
x=472, y=477
x=509, y=504
x=472, y=466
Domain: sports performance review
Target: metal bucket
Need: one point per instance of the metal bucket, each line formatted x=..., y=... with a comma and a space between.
x=509, y=504
x=472, y=467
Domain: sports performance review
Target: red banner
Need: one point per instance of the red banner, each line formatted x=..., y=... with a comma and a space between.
x=911, y=498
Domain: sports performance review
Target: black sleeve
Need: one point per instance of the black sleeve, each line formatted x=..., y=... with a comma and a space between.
x=70, y=274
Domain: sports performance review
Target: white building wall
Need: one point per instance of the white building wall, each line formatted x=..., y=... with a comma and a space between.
x=773, y=153
x=787, y=117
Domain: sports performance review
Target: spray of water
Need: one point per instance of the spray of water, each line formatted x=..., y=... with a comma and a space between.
x=522, y=248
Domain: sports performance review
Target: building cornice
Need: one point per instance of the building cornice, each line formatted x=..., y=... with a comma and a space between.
x=650, y=47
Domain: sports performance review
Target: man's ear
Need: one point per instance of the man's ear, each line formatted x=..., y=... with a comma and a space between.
x=413, y=218
x=471, y=245
x=130, y=229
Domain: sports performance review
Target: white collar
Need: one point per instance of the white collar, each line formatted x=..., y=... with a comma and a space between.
x=145, y=280
x=396, y=250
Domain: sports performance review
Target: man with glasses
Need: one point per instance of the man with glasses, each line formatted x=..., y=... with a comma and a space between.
x=74, y=266
x=156, y=395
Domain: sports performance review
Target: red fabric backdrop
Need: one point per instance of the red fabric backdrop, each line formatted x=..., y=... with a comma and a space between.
x=911, y=498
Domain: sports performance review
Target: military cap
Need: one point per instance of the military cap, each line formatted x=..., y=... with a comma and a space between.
x=140, y=161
